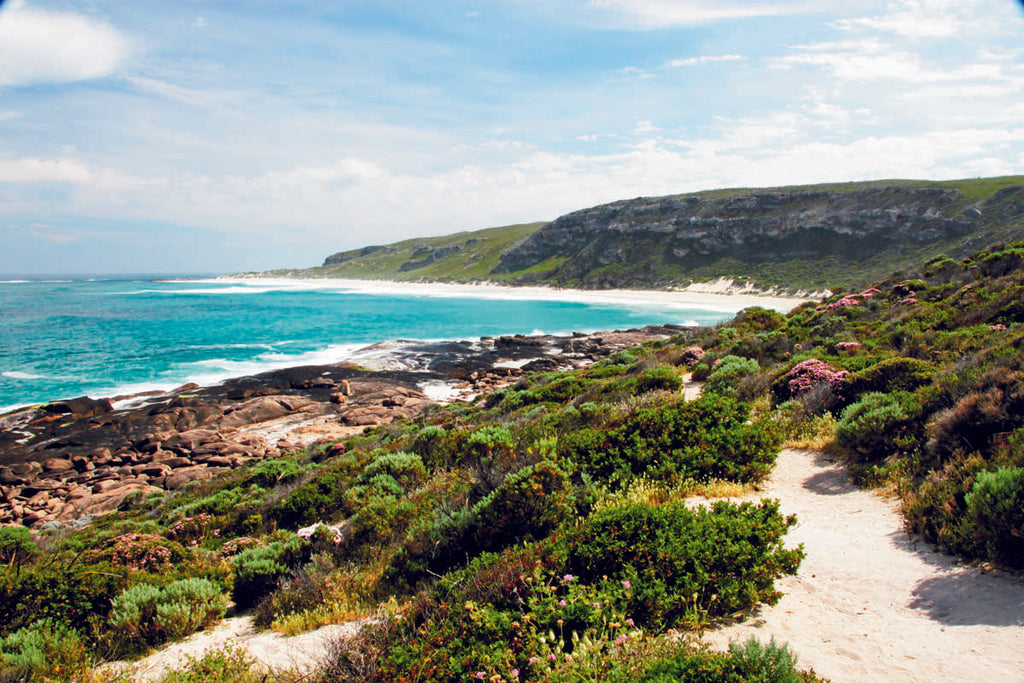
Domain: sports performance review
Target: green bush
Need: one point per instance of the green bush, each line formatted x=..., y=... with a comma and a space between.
x=318, y=499
x=686, y=566
x=229, y=664
x=704, y=439
x=662, y=377
x=996, y=507
x=76, y=595
x=750, y=662
x=16, y=545
x=429, y=443
x=146, y=615
x=44, y=650
x=891, y=374
x=728, y=372
x=270, y=473
x=529, y=504
x=880, y=426
x=405, y=468
x=257, y=571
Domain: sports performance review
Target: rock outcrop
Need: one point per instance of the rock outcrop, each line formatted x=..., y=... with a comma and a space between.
x=73, y=459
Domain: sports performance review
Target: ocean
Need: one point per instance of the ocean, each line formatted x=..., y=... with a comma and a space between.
x=62, y=337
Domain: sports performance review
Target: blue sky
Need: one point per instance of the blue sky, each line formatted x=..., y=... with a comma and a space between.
x=227, y=135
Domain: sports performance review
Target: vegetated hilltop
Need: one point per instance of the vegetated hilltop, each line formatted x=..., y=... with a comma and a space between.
x=794, y=238
x=539, y=532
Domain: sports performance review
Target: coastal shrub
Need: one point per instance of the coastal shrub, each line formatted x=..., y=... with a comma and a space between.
x=806, y=376
x=76, y=595
x=46, y=650
x=317, y=499
x=662, y=378
x=16, y=545
x=750, y=662
x=490, y=453
x=686, y=566
x=529, y=504
x=270, y=473
x=874, y=428
x=888, y=375
x=257, y=571
x=142, y=553
x=405, y=468
x=708, y=438
x=303, y=589
x=729, y=370
x=429, y=443
x=146, y=615
x=559, y=391
x=995, y=504
x=995, y=405
x=228, y=664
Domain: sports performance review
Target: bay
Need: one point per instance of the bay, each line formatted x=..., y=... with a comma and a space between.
x=72, y=336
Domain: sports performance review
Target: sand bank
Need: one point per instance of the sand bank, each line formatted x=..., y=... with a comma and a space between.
x=720, y=295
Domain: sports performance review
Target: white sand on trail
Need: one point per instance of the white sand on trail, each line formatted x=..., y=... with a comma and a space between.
x=870, y=605
x=301, y=653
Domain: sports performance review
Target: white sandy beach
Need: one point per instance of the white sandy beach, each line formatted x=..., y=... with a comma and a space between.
x=718, y=295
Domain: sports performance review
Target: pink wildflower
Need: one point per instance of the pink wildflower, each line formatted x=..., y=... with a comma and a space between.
x=568, y=578
x=626, y=584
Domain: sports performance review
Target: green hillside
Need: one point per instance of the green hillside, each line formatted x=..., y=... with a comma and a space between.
x=808, y=237
x=468, y=256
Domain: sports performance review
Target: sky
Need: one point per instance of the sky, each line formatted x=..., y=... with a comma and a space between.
x=228, y=135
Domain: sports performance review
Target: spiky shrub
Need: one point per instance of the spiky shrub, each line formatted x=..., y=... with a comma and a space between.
x=45, y=650
x=16, y=545
x=405, y=468
x=996, y=507
x=146, y=615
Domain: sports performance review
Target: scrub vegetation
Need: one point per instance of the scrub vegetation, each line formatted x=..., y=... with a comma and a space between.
x=540, y=533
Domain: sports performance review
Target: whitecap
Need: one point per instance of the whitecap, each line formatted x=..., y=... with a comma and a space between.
x=18, y=374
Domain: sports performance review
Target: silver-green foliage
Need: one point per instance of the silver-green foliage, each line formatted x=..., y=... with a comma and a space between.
x=149, y=614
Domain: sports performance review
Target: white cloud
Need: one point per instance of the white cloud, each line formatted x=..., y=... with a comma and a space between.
x=703, y=59
x=660, y=13
x=40, y=46
x=921, y=18
x=34, y=170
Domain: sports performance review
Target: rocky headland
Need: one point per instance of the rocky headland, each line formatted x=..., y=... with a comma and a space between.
x=66, y=461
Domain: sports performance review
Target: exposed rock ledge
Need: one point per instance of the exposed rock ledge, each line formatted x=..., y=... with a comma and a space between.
x=69, y=460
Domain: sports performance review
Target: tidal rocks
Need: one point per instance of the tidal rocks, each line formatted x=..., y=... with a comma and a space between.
x=79, y=458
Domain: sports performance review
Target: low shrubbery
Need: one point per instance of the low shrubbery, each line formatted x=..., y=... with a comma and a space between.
x=704, y=439
x=146, y=615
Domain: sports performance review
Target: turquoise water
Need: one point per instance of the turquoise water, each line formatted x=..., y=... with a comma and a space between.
x=107, y=337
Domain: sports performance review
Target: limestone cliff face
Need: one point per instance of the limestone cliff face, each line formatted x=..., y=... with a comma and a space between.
x=656, y=241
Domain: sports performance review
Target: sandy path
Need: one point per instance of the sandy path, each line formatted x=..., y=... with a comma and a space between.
x=301, y=653
x=870, y=605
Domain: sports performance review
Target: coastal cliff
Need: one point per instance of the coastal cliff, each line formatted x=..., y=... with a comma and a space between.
x=790, y=238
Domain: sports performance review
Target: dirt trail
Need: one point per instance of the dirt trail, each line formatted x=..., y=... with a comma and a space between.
x=301, y=653
x=869, y=604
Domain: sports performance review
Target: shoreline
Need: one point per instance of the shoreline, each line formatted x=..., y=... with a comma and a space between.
x=718, y=295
